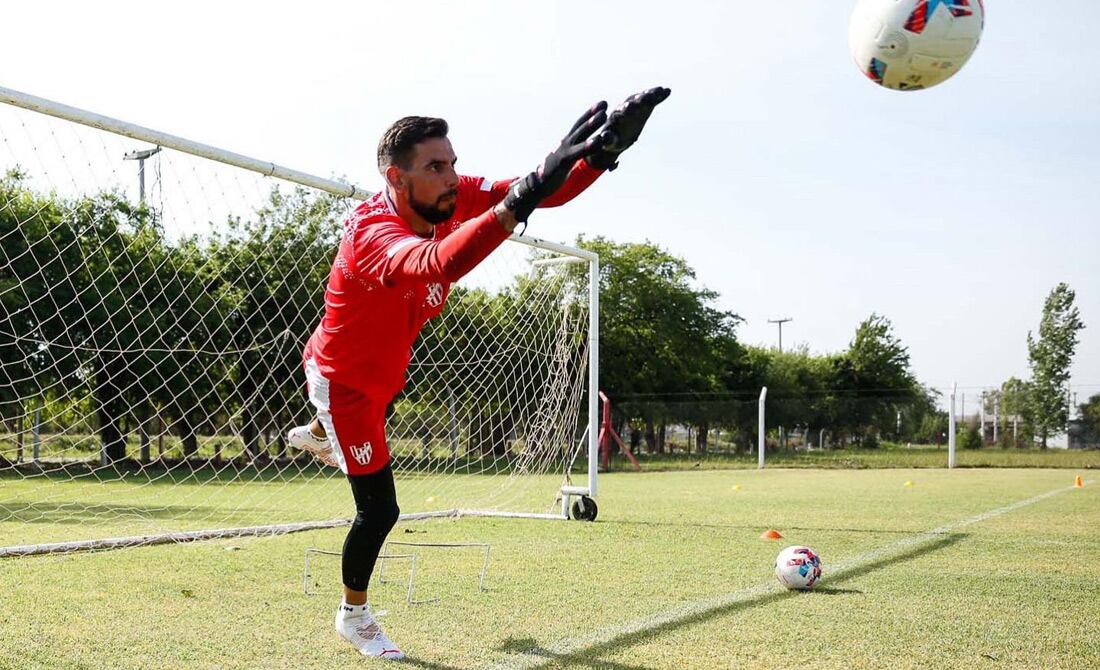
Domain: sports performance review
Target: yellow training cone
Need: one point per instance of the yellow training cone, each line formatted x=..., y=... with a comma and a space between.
x=431, y=499
x=736, y=487
x=908, y=484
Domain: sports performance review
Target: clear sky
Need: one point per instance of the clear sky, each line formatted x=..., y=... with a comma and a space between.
x=792, y=185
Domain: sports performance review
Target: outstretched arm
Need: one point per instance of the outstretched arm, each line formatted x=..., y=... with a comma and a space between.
x=413, y=258
x=624, y=126
x=581, y=176
x=448, y=260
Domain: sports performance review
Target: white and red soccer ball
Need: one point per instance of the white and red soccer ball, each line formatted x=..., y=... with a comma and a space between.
x=908, y=45
x=798, y=568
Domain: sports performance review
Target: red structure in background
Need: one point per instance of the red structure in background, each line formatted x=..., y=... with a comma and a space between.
x=607, y=434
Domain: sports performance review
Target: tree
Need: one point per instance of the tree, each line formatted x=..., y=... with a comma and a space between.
x=660, y=335
x=797, y=384
x=269, y=272
x=83, y=309
x=1090, y=414
x=38, y=247
x=1015, y=405
x=121, y=310
x=1050, y=356
x=872, y=380
x=970, y=438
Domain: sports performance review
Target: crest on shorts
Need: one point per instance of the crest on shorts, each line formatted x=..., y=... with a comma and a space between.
x=361, y=454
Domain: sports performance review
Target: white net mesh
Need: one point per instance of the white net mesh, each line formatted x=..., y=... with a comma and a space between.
x=150, y=351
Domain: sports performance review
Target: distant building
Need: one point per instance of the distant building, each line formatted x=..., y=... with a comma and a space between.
x=1081, y=436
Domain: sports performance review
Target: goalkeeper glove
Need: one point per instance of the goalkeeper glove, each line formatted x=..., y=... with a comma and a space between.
x=525, y=194
x=624, y=125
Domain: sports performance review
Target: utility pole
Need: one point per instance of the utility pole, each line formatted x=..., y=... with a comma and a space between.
x=996, y=414
x=140, y=156
x=780, y=322
x=951, y=429
x=981, y=409
x=782, y=431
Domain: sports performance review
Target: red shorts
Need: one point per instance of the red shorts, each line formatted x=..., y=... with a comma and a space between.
x=355, y=423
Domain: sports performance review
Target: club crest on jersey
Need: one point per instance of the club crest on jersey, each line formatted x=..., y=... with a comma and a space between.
x=361, y=454
x=435, y=295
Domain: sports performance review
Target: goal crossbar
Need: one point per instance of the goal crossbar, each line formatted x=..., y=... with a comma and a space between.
x=109, y=124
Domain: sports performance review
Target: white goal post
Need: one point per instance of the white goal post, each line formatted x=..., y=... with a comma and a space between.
x=147, y=347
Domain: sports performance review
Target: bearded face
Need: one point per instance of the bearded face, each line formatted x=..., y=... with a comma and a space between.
x=437, y=211
x=430, y=183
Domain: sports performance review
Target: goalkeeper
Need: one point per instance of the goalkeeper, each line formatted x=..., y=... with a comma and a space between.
x=399, y=254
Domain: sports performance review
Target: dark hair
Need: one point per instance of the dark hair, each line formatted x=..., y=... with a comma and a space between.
x=399, y=140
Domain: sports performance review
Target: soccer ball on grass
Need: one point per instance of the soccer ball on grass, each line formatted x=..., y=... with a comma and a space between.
x=798, y=568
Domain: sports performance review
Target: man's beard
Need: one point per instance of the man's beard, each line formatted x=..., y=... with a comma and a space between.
x=434, y=214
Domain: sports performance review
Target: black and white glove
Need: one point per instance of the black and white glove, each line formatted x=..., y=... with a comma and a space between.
x=624, y=125
x=526, y=193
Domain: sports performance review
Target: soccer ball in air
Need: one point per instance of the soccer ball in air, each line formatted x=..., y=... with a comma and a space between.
x=798, y=567
x=907, y=45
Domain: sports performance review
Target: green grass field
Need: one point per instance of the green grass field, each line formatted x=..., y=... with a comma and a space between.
x=672, y=575
x=888, y=456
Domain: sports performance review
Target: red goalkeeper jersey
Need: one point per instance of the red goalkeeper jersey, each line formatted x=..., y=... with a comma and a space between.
x=387, y=281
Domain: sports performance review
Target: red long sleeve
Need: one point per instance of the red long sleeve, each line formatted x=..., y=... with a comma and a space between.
x=408, y=258
x=450, y=259
x=580, y=178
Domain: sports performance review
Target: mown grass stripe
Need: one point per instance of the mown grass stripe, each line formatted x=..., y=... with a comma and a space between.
x=570, y=647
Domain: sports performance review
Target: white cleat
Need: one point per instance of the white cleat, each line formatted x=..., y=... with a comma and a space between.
x=301, y=437
x=357, y=625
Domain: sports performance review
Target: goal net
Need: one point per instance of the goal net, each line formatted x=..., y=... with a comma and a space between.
x=155, y=297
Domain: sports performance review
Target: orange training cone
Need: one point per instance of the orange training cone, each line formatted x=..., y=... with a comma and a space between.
x=1079, y=482
x=771, y=534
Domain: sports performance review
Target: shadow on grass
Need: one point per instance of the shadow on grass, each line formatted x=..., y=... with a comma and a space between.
x=588, y=656
x=80, y=514
x=724, y=526
x=828, y=591
x=170, y=473
x=414, y=662
x=530, y=647
x=174, y=471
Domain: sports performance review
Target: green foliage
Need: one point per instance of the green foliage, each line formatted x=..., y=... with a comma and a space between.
x=1090, y=413
x=932, y=428
x=1050, y=356
x=113, y=317
x=83, y=301
x=860, y=395
x=267, y=310
x=971, y=438
x=1015, y=410
x=660, y=334
x=669, y=356
x=109, y=324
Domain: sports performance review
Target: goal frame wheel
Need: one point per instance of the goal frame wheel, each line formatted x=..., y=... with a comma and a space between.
x=584, y=509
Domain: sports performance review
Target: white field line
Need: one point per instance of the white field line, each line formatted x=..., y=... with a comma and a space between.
x=571, y=646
